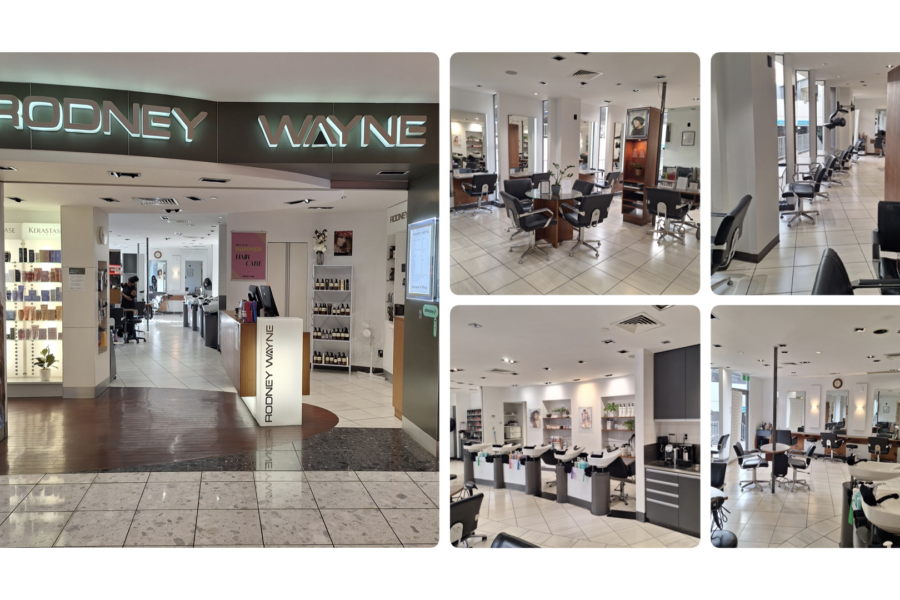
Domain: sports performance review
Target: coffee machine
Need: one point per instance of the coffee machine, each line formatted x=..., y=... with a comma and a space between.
x=668, y=450
x=684, y=454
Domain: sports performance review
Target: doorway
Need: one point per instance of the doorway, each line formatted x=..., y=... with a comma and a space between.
x=193, y=276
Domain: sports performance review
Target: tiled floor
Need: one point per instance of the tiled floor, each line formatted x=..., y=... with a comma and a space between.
x=800, y=519
x=553, y=525
x=220, y=508
x=630, y=262
x=174, y=356
x=844, y=223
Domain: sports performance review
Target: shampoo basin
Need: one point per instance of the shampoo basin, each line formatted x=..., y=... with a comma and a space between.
x=569, y=455
x=535, y=451
x=886, y=515
x=505, y=448
x=475, y=447
x=874, y=471
x=602, y=462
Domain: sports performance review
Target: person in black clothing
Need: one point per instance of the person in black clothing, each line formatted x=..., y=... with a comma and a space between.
x=129, y=292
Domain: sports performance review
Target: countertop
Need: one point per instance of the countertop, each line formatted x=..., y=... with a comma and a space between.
x=659, y=465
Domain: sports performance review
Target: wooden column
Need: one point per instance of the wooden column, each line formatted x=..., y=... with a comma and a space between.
x=892, y=138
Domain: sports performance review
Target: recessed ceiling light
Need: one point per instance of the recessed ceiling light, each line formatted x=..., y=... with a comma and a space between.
x=559, y=58
x=456, y=370
x=320, y=207
x=761, y=360
x=118, y=174
x=15, y=199
x=618, y=84
x=109, y=199
x=609, y=341
x=304, y=201
x=548, y=382
x=817, y=352
x=576, y=380
x=8, y=168
x=880, y=331
x=476, y=325
x=823, y=64
x=512, y=73
x=610, y=375
x=717, y=345
x=213, y=180
x=546, y=368
x=484, y=377
x=623, y=351
x=877, y=360
x=542, y=82
x=873, y=356
x=659, y=76
x=635, y=90
x=859, y=330
x=477, y=85
x=695, y=99
x=535, y=93
x=890, y=66
x=580, y=362
x=740, y=352
x=608, y=101
x=515, y=385
x=509, y=360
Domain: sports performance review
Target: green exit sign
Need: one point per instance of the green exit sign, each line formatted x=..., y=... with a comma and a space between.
x=745, y=378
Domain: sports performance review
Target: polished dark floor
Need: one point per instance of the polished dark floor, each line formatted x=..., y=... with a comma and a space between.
x=131, y=427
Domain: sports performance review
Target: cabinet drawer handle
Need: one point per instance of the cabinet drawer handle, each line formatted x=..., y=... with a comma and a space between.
x=662, y=493
x=662, y=482
x=661, y=502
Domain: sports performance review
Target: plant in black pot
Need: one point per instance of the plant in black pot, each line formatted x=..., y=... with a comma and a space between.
x=558, y=177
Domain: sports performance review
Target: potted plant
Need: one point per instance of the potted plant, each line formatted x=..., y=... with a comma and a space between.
x=558, y=176
x=320, y=239
x=611, y=409
x=638, y=168
x=45, y=361
x=629, y=425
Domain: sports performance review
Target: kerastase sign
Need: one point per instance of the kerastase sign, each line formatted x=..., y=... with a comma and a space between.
x=79, y=119
x=248, y=255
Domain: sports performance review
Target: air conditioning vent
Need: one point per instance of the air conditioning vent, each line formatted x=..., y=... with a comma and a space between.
x=558, y=58
x=194, y=198
x=156, y=201
x=182, y=222
x=585, y=75
x=640, y=323
x=392, y=172
x=894, y=356
x=109, y=199
x=501, y=372
x=213, y=180
x=793, y=364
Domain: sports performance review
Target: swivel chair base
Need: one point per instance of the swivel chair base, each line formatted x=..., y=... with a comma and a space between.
x=580, y=241
x=531, y=247
x=480, y=207
x=727, y=281
x=753, y=482
x=677, y=234
x=796, y=482
x=620, y=494
x=800, y=213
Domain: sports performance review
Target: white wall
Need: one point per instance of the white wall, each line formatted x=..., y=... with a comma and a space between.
x=369, y=259
x=680, y=120
x=476, y=102
x=592, y=394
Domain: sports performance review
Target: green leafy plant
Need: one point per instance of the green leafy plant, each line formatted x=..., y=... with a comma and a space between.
x=611, y=407
x=46, y=360
x=560, y=173
x=637, y=166
x=629, y=425
x=561, y=411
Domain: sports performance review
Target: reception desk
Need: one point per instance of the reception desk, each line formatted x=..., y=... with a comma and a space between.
x=238, y=344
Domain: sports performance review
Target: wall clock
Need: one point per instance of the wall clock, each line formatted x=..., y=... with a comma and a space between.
x=157, y=254
x=837, y=383
x=101, y=235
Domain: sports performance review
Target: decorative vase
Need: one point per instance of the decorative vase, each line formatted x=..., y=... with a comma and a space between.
x=45, y=374
x=320, y=258
x=639, y=172
x=554, y=189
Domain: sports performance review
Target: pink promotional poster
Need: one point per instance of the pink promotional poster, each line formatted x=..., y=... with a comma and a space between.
x=248, y=255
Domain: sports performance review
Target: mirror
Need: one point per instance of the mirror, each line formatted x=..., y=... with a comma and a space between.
x=680, y=152
x=885, y=421
x=158, y=276
x=467, y=140
x=796, y=410
x=520, y=133
x=617, y=146
x=836, y=406
x=880, y=119
x=586, y=153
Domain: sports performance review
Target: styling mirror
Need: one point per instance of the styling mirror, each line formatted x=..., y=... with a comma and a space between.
x=586, y=154
x=885, y=421
x=467, y=140
x=158, y=276
x=836, y=406
x=880, y=119
x=521, y=148
x=796, y=410
x=680, y=152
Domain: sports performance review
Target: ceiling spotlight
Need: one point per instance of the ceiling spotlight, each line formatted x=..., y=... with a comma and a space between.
x=509, y=360
x=580, y=362
x=109, y=199
x=548, y=382
x=304, y=201
x=576, y=380
x=610, y=375
x=7, y=168
x=817, y=352
x=635, y=90
x=535, y=93
x=859, y=330
x=542, y=82
x=880, y=331
x=546, y=368
x=873, y=356
x=118, y=174
x=608, y=101
x=456, y=370
x=695, y=99
x=512, y=73
x=320, y=207
x=659, y=76
x=15, y=199
x=476, y=325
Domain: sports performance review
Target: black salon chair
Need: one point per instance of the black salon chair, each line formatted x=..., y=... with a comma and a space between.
x=133, y=318
x=549, y=459
x=830, y=164
x=799, y=464
x=830, y=443
x=589, y=212
x=720, y=452
x=473, y=166
x=464, y=520
x=879, y=145
x=717, y=472
x=585, y=187
x=609, y=181
x=858, y=149
x=750, y=461
x=528, y=221
x=800, y=190
x=724, y=243
x=481, y=186
x=118, y=317
x=623, y=472
x=539, y=178
x=518, y=188
x=879, y=446
x=832, y=278
x=504, y=540
x=668, y=210
x=887, y=239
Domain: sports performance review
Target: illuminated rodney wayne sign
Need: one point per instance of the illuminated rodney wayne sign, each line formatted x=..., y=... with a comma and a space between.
x=402, y=131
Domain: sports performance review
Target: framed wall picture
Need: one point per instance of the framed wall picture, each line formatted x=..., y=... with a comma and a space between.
x=687, y=138
x=638, y=124
x=343, y=243
x=585, y=418
x=534, y=417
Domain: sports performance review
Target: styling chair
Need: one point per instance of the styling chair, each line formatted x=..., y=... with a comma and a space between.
x=830, y=443
x=720, y=452
x=887, y=239
x=133, y=318
x=832, y=278
x=585, y=187
x=481, y=186
x=668, y=209
x=504, y=540
x=831, y=175
x=750, y=461
x=528, y=221
x=464, y=520
x=538, y=178
x=799, y=463
x=473, y=166
x=800, y=190
x=518, y=188
x=549, y=459
x=724, y=243
x=717, y=472
x=624, y=473
x=879, y=446
x=609, y=182
x=118, y=317
x=589, y=212
x=879, y=144
x=858, y=148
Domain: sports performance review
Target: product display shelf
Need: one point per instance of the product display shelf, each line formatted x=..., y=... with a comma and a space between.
x=389, y=276
x=21, y=353
x=321, y=347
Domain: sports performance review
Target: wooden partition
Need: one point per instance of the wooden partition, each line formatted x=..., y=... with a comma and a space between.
x=892, y=134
